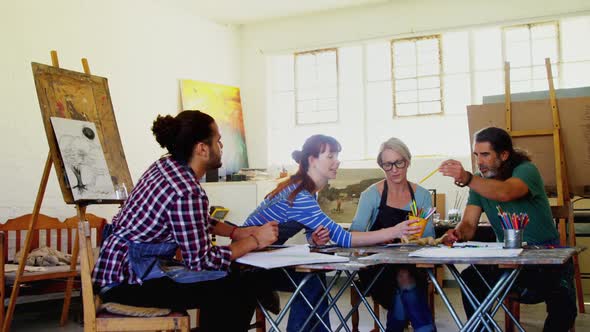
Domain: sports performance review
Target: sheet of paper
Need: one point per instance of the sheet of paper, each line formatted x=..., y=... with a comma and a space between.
x=295, y=255
x=478, y=244
x=465, y=252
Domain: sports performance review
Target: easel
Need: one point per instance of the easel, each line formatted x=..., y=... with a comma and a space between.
x=53, y=158
x=563, y=209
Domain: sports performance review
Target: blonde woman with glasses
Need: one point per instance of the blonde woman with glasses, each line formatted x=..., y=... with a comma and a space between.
x=400, y=289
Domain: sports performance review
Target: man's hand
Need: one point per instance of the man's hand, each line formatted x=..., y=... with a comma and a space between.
x=266, y=234
x=452, y=237
x=243, y=232
x=320, y=236
x=454, y=169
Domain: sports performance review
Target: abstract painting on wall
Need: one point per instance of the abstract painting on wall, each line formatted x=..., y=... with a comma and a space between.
x=224, y=104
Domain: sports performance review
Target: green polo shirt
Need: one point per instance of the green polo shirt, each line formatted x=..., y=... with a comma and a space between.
x=541, y=227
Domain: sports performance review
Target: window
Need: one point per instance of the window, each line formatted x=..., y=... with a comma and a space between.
x=417, y=76
x=316, y=86
x=526, y=47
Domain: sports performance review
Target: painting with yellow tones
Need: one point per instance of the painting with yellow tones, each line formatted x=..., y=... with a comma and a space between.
x=224, y=104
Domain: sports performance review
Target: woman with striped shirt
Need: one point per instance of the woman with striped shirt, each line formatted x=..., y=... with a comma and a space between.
x=294, y=206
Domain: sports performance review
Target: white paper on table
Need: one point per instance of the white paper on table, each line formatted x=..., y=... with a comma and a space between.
x=294, y=255
x=479, y=245
x=465, y=252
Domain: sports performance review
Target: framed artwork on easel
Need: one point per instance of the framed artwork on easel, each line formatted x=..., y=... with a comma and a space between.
x=78, y=96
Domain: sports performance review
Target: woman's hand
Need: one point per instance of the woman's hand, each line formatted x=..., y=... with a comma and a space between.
x=404, y=229
x=320, y=236
x=266, y=234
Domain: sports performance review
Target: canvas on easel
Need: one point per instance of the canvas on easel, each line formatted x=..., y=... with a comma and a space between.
x=83, y=158
x=78, y=96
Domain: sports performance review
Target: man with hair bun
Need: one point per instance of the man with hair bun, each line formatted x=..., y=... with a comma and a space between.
x=168, y=210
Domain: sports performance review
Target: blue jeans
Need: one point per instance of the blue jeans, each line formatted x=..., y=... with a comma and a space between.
x=409, y=304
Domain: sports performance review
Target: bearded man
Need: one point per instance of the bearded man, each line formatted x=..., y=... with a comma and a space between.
x=507, y=178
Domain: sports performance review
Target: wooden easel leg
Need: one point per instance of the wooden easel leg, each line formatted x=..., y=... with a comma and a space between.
x=27, y=246
x=576, y=261
x=81, y=210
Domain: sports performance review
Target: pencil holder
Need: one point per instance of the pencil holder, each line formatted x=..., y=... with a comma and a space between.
x=512, y=238
x=419, y=222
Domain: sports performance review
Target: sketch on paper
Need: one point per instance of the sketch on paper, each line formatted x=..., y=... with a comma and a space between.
x=84, y=160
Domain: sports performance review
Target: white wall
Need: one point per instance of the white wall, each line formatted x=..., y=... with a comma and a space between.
x=348, y=26
x=142, y=47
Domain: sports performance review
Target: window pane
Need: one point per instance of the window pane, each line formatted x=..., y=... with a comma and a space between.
x=429, y=94
x=317, y=86
x=405, y=85
x=429, y=82
x=544, y=48
x=406, y=109
x=404, y=71
x=406, y=96
x=430, y=107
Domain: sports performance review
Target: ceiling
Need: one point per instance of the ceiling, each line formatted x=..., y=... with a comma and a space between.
x=251, y=11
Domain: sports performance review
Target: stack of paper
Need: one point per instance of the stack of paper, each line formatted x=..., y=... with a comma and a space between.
x=295, y=255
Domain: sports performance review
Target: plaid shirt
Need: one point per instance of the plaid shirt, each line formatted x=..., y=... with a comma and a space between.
x=167, y=205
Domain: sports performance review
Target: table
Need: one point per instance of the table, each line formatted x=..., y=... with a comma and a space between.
x=485, y=310
x=349, y=269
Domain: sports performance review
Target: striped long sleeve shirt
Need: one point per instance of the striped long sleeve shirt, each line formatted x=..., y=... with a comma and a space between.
x=304, y=210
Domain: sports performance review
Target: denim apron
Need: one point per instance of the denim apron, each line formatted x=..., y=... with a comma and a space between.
x=155, y=260
x=152, y=260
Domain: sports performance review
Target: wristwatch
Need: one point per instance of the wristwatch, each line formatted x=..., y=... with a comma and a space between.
x=469, y=178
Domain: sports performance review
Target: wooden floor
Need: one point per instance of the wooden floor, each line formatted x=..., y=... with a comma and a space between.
x=45, y=317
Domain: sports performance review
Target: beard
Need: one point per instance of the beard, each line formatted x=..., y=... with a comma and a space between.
x=214, y=162
x=492, y=171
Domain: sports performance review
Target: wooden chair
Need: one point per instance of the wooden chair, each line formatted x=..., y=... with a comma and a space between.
x=99, y=321
x=50, y=232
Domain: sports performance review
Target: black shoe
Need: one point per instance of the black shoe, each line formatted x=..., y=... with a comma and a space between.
x=270, y=301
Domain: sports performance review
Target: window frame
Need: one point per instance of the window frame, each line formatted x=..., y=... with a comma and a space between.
x=295, y=89
x=438, y=37
x=556, y=62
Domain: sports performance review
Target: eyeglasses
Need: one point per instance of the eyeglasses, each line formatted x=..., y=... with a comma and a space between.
x=399, y=164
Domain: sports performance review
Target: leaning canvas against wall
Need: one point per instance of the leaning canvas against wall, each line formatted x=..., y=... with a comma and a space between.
x=340, y=198
x=223, y=103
